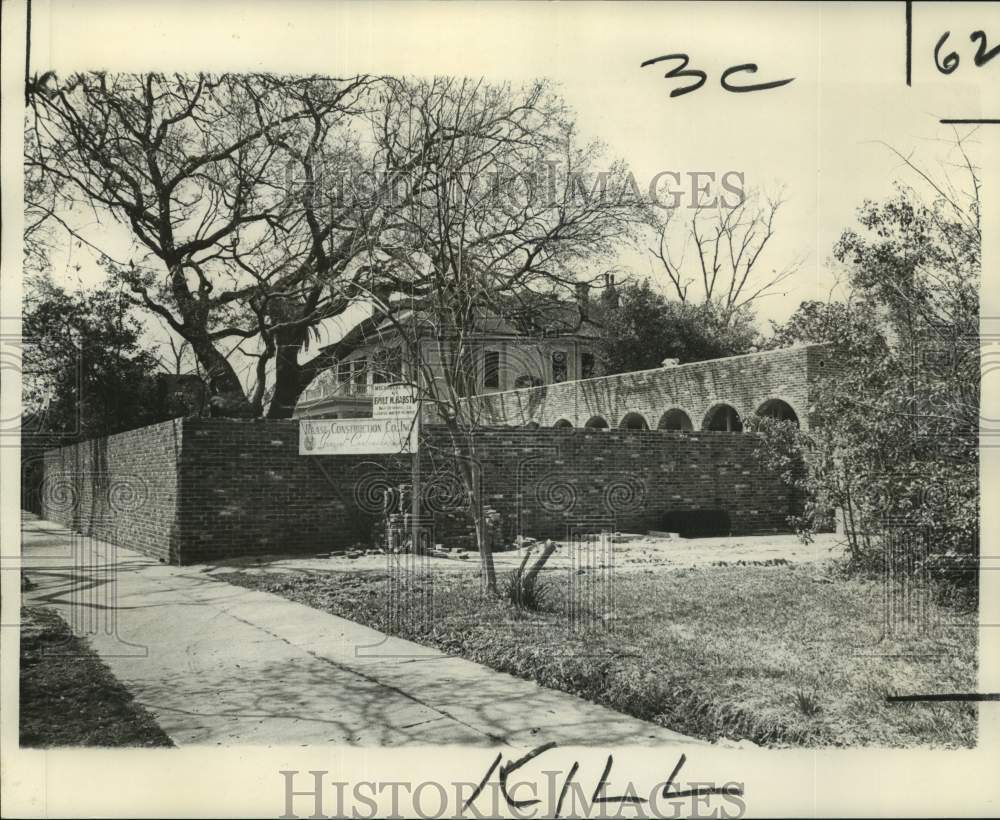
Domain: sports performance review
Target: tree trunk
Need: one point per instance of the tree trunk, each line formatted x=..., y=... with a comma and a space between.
x=227, y=399
x=288, y=375
x=466, y=469
x=550, y=547
x=488, y=570
x=852, y=538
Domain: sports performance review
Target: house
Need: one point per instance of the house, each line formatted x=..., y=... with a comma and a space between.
x=501, y=353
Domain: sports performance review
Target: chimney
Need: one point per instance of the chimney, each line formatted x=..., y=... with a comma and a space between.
x=583, y=299
x=610, y=295
x=670, y=363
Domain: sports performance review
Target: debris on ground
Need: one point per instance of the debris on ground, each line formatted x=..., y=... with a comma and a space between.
x=767, y=562
x=743, y=743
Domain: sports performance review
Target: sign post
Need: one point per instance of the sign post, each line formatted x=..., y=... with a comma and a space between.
x=393, y=428
x=415, y=501
x=394, y=401
x=400, y=401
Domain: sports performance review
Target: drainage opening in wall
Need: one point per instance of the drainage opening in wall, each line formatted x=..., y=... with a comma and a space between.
x=697, y=523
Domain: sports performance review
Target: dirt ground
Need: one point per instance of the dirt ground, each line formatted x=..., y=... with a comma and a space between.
x=633, y=552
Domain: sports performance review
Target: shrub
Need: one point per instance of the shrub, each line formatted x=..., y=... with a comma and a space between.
x=526, y=590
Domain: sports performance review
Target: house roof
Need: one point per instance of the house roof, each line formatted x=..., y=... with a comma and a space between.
x=557, y=319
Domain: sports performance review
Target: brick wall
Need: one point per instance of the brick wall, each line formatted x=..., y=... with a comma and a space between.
x=122, y=488
x=199, y=489
x=32, y=452
x=744, y=382
x=543, y=482
x=246, y=490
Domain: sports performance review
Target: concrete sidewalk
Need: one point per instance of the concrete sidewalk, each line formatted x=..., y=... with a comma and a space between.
x=219, y=664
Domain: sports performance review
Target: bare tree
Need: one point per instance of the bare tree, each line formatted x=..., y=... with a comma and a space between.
x=494, y=226
x=715, y=256
x=215, y=178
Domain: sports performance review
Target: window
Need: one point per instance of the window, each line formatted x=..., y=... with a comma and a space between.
x=360, y=375
x=587, y=366
x=395, y=364
x=325, y=383
x=559, y=366
x=491, y=369
x=386, y=365
x=379, y=367
x=343, y=372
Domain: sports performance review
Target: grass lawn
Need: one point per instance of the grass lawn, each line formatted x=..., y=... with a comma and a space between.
x=69, y=697
x=779, y=655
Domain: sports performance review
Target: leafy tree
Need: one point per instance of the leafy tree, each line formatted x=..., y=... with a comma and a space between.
x=893, y=439
x=851, y=325
x=85, y=372
x=645, y=328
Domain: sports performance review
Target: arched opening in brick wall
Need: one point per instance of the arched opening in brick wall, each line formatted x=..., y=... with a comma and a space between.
x=633, y=421
x=597, y=423
x=563, y=423
x=722, y=418
x=778, y=409
x=675, y=419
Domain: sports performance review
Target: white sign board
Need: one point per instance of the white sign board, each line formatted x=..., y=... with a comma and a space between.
x=336, y=437
x=394, y=401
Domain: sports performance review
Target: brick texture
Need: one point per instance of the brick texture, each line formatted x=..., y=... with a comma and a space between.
x=196, y=490
x=246, y=491
x=547, y=482
x=743, y=382
x=122, y=488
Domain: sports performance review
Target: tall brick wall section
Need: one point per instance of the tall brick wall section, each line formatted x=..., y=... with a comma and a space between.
x=202, y=489
x=744, y=382
x=544, y=482
x=198, y=489
x=246, y=491
x=122, y=488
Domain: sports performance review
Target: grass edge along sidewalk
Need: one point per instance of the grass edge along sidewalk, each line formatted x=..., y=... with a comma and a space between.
x=69, y=697
x=780, y=656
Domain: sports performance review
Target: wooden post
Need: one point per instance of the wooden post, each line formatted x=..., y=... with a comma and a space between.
x=415, y=500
